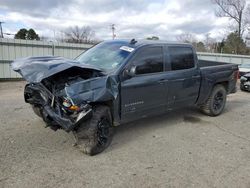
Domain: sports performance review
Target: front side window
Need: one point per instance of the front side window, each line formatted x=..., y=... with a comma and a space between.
x=181, y=58
x=149, y=60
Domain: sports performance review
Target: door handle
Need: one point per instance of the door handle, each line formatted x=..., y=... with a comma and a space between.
x=196, y=76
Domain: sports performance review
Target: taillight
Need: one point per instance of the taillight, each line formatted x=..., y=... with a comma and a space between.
x=236, y=74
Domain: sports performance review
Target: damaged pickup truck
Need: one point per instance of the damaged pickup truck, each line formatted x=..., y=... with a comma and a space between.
x=120, y=81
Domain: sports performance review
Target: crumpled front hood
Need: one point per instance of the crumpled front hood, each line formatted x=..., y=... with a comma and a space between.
x=35, y=69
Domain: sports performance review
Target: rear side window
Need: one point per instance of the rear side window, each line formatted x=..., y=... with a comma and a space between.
x=149, y=60
x=181, y=58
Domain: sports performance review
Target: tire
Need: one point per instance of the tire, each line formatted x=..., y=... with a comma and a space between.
x=215, y=103
x=37, y=111
x=242, y=87
x=95, y=135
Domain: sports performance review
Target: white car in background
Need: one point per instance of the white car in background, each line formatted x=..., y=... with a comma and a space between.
x=244, y=69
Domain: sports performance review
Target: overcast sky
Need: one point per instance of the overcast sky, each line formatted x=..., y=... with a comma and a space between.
x=132, y=18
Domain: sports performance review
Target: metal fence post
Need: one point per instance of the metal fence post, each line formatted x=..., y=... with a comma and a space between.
x=53, y=49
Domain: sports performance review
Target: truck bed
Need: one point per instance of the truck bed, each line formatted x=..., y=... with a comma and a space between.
x=213, y=72
x=205, y=63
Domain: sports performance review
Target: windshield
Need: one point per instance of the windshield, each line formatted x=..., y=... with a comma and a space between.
x=106, y=55
x=245, y=65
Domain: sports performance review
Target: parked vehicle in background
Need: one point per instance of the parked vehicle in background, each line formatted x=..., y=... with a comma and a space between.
x=244, y=69
x=245, y=82
x=121, y=81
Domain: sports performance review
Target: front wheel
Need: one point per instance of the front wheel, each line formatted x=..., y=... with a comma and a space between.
x=95, y=135
x=216, y=101
x=37, y=110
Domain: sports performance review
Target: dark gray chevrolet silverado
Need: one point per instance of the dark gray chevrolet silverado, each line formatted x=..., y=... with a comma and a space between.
x=119, y=81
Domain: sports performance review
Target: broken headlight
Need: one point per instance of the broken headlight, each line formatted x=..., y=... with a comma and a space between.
x=69, y=105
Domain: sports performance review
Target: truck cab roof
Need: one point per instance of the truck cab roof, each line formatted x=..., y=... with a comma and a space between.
x=139, y=43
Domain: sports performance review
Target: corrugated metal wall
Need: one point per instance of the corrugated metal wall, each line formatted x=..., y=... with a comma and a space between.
x=11, y=49
x=229, y=58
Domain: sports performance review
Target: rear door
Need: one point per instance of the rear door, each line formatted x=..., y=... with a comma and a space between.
x=183, y=77
x=145, y=93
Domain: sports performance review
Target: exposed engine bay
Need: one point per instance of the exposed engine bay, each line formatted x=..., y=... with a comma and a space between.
x=65, y=97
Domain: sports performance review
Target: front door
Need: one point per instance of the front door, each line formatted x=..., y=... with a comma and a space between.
x=145, y=93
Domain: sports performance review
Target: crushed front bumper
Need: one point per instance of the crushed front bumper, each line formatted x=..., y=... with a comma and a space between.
x=54, y=117
x=245, y=86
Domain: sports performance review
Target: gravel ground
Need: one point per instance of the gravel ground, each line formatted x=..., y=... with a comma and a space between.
x=180, y=149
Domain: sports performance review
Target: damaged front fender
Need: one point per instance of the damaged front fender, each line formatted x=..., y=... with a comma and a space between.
x=93, y=90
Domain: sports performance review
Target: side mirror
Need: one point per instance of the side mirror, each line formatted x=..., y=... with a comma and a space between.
x=130, y=72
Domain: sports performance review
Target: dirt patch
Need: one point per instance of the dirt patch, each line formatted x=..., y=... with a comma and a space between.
x=172, y=150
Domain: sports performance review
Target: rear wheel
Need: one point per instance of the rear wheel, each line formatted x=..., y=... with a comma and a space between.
x=95, y=135
x=216, y=101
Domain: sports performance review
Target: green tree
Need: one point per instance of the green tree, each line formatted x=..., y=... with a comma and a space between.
x=27, y=34
x=21, y=34
x=234, y=44
x=200, y=47
x=220, y=46
x=31, y=35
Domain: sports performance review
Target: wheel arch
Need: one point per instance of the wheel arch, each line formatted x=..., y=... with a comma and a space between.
x=225, y=84
x=108, y=103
